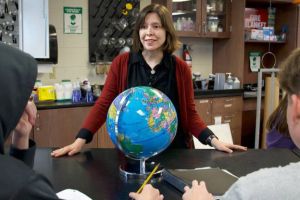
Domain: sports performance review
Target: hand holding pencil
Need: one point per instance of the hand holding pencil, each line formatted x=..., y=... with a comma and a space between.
x=146, y=191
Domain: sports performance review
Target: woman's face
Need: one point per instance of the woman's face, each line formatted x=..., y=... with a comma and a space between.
x=152, y=34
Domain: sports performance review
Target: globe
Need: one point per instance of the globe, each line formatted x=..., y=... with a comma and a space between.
x=141, y=122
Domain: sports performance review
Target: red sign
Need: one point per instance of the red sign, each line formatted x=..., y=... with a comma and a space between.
x=256, y=18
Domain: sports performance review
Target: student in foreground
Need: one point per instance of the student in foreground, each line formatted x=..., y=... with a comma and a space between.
x=269, y=183
x=17, y=116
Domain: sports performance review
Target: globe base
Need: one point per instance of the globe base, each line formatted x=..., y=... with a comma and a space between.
x=131, y=173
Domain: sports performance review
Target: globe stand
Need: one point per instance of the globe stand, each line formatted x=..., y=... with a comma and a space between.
x=134, y=174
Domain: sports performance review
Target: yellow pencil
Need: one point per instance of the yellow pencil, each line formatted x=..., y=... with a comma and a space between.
x=148, y=178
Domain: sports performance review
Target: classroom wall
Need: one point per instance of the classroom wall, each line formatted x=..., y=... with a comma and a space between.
x=73, y=58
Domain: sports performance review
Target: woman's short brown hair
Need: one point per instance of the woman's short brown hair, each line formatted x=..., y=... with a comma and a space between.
x=172, y=43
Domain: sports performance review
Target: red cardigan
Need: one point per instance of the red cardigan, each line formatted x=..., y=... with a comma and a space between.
x=116, y=83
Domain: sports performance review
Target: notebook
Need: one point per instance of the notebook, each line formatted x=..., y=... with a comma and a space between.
x=217, y=181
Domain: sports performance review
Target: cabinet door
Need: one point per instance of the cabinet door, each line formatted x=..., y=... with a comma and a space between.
x=200, y=18
x=34, y=30
x=230, y=110
x=58, y=127
x=227, y=105
x=186, y=17
x=104, y=140
x=216, y=18
x=203, y=107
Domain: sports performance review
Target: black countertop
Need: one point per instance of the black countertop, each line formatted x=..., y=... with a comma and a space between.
x=95, y=172
x=198, y=95
x=217, y=93
x=61, y=104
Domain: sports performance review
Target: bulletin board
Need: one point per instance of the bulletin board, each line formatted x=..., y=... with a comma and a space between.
x=111, y=25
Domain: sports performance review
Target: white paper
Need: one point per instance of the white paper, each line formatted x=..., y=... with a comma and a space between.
x=71, y=194
x=218, y=119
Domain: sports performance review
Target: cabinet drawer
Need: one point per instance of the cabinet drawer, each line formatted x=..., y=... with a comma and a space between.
x=236, y=135
x=234, y=119
x=203, y=107
x=228, y=104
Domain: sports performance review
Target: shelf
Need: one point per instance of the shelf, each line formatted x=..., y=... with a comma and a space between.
x=265, y=41
x=181, y=12
x=216, y=14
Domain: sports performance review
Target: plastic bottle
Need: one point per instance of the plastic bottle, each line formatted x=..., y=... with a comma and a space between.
x=68, y=89
x=59, y=92
x=89, y=94
x=190, y=26
x=76, y=95
x=34, y=93
x=183, y=24
x=186, y=56
x=178, y=25
x=236, y=83
x=229, y=81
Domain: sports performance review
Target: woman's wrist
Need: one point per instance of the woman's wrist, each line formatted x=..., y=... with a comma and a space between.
x=211, y=140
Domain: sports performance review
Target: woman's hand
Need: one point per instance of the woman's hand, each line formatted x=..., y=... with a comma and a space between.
x=222, y=146
x=198, y=191
x=71, y=149
x=148, y=193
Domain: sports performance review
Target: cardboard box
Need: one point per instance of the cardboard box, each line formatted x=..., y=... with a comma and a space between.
x=256, y=34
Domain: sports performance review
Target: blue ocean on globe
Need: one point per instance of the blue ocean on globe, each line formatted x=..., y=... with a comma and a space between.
x=141, y=122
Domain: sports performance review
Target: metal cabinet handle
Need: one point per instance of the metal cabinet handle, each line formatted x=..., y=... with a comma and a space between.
x=227, y=121
x=229, y=116
x=228, y=100
x=204, y=101
x=227, y=105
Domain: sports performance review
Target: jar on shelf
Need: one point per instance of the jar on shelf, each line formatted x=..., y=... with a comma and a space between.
x=213, y=5
x=213, y=23
x=220, y=5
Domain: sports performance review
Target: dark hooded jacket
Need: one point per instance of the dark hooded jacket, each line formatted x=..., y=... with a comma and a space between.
x=17, y=76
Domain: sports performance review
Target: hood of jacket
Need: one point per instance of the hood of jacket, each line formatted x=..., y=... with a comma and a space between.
x=18, y=72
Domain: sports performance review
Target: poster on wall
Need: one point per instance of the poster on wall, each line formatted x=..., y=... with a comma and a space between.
x=72, y=20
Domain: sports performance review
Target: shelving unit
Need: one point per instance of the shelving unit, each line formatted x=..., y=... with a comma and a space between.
x=237, y=58
x=238, y=62
x=204, y=14
x=265, y=41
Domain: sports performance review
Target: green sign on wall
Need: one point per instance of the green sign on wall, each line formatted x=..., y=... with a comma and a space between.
x=72, y=20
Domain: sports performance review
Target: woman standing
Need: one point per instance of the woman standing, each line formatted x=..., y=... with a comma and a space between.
x=151, y=64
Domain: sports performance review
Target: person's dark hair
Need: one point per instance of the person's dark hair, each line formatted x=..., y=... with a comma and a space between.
x=277, y=119
x=289, y=76
x=172, y=43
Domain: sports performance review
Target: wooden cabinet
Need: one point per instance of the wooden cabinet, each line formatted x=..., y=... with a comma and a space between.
x=58, y=127
x=233, y=54
x=228, y=108
x=204, y=109
x=200, y=18
x=104, y=140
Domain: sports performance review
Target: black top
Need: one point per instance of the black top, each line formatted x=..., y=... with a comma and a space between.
x=163, y=78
